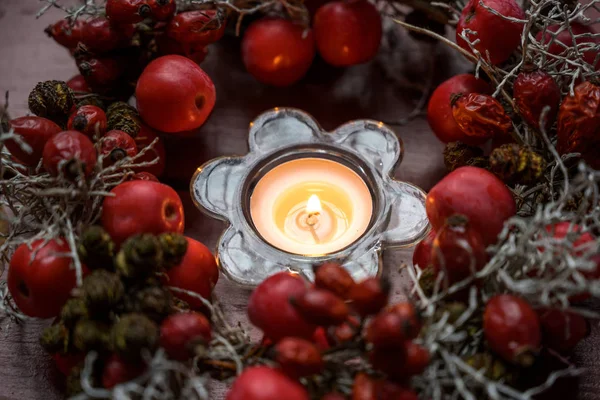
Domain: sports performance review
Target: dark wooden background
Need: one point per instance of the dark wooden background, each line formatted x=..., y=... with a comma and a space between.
x=333, y=96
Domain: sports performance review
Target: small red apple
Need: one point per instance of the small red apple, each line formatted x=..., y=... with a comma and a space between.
x=174, y=94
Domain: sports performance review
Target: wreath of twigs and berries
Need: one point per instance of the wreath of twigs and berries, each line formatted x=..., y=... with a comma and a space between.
x=499, y=285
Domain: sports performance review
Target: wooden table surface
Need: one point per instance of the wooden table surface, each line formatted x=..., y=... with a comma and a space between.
x=27, y=56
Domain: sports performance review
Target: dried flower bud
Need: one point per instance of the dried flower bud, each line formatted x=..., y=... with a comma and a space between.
x=492, y=367
x=458, y=154
x=515, y=164
x=96, y=249
x=156, y=302
x=53, y=100
x=123, y=117
x=73, y=383
x=132, y=334
x=480, y=162
x=427, y=281
x=91, y=101
x=90, y=335
x=55, y=339
x=102, y=291
x=140, y=256
x=174, y=247
x=73, y=310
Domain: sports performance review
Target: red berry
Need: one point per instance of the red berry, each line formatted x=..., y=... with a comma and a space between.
x=458, y=250
x=69, y=153
x=102, y=74
x=264, y=383
x=277, y=51
x=320, y=339
x=141, y=207
x=66, y=362
x=35, y=131
x=40, y=279
x=144, y=176
x=439, y=110
x=367, y=388
x=65, y=33
x=512, y=328
x=199, y=27
x=422, y=254
x=369, y=296
x=364, y=387
x=144, y=138
x=89, y=120
x=388, y=360
x=78, y=84
x=562, y=330
x=270, y=310
x=198, y=273
x=417, y=359
x=175, y=95
x=127, y=11
x=181, y=333
x=562, y=43
x=480, y=115
x=298, y=357
x=99, y=35
x=534, y=90
x=321, y=307
x=333, y=277
x=411, y=319
x=162, y=10
x=334, y=396
x=497, y=36
x=117, y=371
x=476, y=193
x=115, y=146
x=347, y=32
x=345, y=332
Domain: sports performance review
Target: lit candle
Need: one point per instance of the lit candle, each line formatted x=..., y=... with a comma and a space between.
x=311, y=206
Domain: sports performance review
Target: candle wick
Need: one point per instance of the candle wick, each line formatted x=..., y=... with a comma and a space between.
x=311, y=221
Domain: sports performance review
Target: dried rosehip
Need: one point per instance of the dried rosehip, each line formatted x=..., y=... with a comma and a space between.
x=65, y=32
x=298, y=357
x=333, y=277
x=157, y=152
x=370, y=296
x=562, y=43
x=387, y=330
x=78, y=84
x=89, y=120
x=115, y=146
x=411, y=319
x=70, y=153
x=458, y=154
x=144, y=176
x=100, y=36
x=562, y=330
x=162, y=10
x=389, y=360
x=181, y=333
x=127, y=11
x=199, y=27
x=422, y=254
x=101, y=74
x=334, y=396
x=578, y=128
x=533, y=91
x=117, y=371
x=367, y=388
x=321, y=307
x=53, y=100
x=512, y=329
x=35, y=131
x=345, y=332
x=265, y=383
x=480, y=115
x=417, y=359
x=516, y=164
x=364, y=387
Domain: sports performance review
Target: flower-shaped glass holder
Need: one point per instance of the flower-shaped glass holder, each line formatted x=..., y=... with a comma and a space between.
x=222, y=188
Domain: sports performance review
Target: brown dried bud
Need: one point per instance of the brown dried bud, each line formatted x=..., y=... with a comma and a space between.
x=73, y=310
x=102, y=291
x=427, y=281
x=333, y=277
x=480, y=162
x=123, y=117
x=321, y=307
x=73, y=383
x=174, y=246
x=492, y=367
x=156, y=302
x=132, y=334
x=458, y=154
x=139, y=257
x=53, y=100
x=370, y=295
x=515, y=164
x=55, y=339
x=97, y=249
x=90, y=335
x=298, y=357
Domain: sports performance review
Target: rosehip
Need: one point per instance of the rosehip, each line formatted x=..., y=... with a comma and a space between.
x=141, y=207
x=512, y=329
x=386, y=330
x=180, y=333
x=144, y=176
x=298, y=357
x=89, y=120
x=198, y=273
x=364, y=387
x=411, y=319
x=345, y=332
x=277, y=51
x=65, y=33
x=488, y=25
x=320, y=339
x=320, y=307
x=417, y=359
x=561, y=43
x=534, y=90
x=475, y=193
x=117, y=371
x=78, y=84
x=370, y=296
x=439, y=109
x=35, y=131
x=333, y=277
x=480, y=115
x=101, y=74
x=69, y=153
x=144, y=138
x=115, y=146
x=127, y=11
x=389, y=360
x=270, y=310
x=30, y=272
x=199, y=27
x=334, y=396
x=422, y=254
x=264, y=383
x=99, y=35
x=66, y=362
x=347, y=33
x=162, y=10
x=562, y=330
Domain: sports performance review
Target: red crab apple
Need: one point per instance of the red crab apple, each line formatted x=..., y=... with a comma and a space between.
x=175, y=95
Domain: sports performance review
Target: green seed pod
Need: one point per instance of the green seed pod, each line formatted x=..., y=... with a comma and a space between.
x=55, y=339
x=140, y=256
x=90, y=335
x=96, y=248
x=52, y=100
x=174, y=247
x=156, y=302
x=132, y=334
x=101, y=292
x=123, y=117
x=515, y=164
x=73, y=310
x=458, y=154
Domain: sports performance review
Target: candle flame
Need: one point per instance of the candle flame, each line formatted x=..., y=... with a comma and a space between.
x=313, y=205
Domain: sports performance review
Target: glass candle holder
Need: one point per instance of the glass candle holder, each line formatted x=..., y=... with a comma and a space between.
x=303, y=196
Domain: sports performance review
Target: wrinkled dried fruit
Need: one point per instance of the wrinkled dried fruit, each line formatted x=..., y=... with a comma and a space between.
x=515, y=164
x=458, y=154
x=533, y=91
x=53, y=100
x=480, y=115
